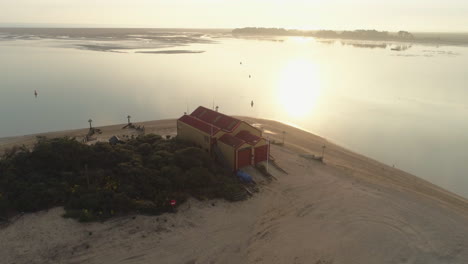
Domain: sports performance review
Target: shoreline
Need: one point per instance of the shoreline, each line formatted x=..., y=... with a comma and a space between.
x=456, y=39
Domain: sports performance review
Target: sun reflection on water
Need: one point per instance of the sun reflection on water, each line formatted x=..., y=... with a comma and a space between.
x=299, y=87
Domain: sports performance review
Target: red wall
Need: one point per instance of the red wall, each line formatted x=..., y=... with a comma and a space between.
x=243, y=158
x=261, y=153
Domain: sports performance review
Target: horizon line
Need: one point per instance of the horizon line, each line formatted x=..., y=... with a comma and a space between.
x=100, y=26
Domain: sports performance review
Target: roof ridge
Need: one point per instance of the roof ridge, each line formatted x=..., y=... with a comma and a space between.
x=213, y=111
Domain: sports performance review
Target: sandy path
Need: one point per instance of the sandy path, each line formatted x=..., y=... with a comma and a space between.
x=161, y=127
x=350, y=210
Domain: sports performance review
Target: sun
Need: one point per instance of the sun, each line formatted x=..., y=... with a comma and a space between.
x=299, y=87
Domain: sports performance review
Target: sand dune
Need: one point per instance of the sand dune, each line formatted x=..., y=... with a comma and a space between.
x=351, y=209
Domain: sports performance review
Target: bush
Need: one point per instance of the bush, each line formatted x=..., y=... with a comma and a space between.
x=192, y=157
x=148, y=207
x=3, y=206
x=95, y=182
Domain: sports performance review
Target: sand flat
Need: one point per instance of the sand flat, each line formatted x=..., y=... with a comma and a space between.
x=352, y=209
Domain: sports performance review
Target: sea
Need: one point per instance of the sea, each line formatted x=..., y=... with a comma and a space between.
x=404, y=104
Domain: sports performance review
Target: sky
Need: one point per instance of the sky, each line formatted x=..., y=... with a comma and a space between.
x=390, y=15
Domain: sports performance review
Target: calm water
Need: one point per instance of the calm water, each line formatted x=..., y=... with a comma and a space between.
x=407, y=107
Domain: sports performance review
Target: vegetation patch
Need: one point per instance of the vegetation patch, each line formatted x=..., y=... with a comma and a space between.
x=95, y=182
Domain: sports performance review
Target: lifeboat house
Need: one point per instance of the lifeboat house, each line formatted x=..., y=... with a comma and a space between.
x=232, y=141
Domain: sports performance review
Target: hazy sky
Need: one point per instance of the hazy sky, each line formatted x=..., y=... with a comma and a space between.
x=414, y=15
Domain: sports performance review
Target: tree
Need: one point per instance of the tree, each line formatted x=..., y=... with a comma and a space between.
x=405, y=35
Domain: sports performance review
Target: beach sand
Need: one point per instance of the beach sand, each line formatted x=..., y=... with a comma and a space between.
x=352, y=209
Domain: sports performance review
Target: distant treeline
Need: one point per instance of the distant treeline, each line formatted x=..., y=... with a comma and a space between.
x=356, y=34
x=95, y=182
x=262, y=31
x=363, y=35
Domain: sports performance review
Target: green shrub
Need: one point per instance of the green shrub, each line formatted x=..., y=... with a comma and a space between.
x=95, y=182
x=148, y=207
x=86, y=216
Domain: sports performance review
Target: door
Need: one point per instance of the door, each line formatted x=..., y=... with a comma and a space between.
x=261, y=153
x=243, y=157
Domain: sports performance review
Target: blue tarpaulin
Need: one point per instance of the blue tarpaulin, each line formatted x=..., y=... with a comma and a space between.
x=244, y=176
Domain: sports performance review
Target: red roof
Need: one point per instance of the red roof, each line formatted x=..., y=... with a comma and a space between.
x=231, y=141
x=248, y=137
x=199, y=124
x=222, y=121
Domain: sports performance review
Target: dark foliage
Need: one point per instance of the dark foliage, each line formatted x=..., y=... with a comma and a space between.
x=95, y=182
x=261, y=31
x=356, y=34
